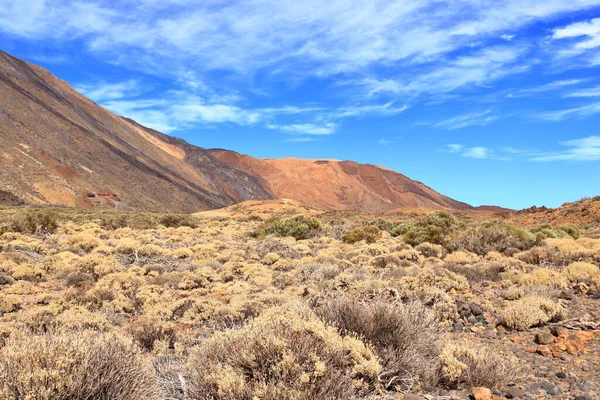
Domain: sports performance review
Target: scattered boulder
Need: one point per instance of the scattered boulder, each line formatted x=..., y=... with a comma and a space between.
x=481, y=393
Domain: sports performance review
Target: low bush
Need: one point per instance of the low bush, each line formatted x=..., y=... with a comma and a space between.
x=286, y=353
x=471, y=365
x=299, y=227
x=148, y=333
x=74, y=366
x=493, y=237
x=531, y=311
x=369, y=234
x=405, y=338
x=178, y=220
x=581, y=271
x=33, y=221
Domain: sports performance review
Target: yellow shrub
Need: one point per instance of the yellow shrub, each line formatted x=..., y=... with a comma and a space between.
x=271, y=258
x=183, y=252
x=285, y=350
x=79, y=318
x=462, y=257
x=475, y=365
x=538, y=277
x=152, y=250
x=530, y=311
x=69, y=366
x=82, y=241
x=23, y=288
x=581, y=271
x=127, y=245
x=27, y=272
x=10, y=303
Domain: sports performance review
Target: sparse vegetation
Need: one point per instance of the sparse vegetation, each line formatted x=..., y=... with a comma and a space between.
x=299, y=227
x=290, y=307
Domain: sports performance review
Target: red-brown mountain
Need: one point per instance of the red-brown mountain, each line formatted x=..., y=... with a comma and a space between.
x=56, y=145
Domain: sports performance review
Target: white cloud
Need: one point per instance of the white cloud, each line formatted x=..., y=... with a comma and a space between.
x=384, y=142
x=550, y=86
x=477, y=152
x=584, y=149
x=102, y=91
x=307, y=129
x=300, y=140
x=293, y=38
x=454, y=148
x=576, y=112
x=465, y=120
x=583, y=38
x=387, y=109
x=587, y=92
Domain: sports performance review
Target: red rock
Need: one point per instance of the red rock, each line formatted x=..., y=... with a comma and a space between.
x=531, y=349
x=517, y=339
x=544, y=350
x=558, y=349
x=481, y=393
x=585, y=336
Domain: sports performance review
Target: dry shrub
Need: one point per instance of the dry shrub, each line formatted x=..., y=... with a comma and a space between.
x=299, y=227
x=75, y=367
x=83, y=241
x=461, y=257
x=183, y=252
x=472, y=365
x=369, y=234
x=560, y=252
x=31, y=221
x=127, y=246
x=430, y=250
x=405, y=337
x=581, y=271
x=285, y=353
x=431, y=280
x=147, y=332
x=479, y=272
x=529, y=311
x=9, y=303
x=493, y=237
x=178, y=220
x=538, y=277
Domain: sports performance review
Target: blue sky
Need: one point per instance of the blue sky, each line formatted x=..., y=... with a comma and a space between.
x=487, y=101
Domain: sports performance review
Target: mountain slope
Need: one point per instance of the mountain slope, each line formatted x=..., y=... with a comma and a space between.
x=56, y=145
x=339, y=185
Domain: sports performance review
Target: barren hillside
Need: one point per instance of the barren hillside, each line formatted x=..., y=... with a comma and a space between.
x=339, y=185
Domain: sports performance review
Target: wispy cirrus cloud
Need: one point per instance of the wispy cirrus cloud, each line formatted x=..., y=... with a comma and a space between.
x=585, y=92
x=465, y=120
x=389, y=55
x=476, y=152
x=582, y=40
x=548, y=87
x=584, y=149
x=569, y=113
x=581, y=149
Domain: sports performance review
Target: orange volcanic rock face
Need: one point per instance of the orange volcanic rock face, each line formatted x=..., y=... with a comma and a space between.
x=339, y=185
